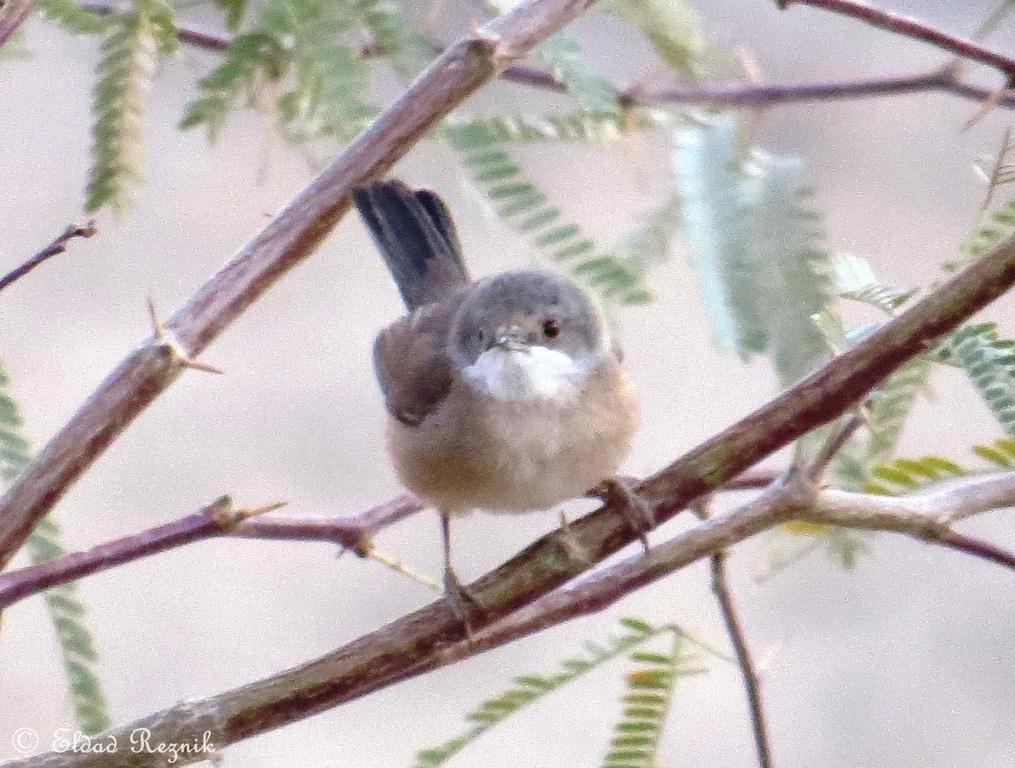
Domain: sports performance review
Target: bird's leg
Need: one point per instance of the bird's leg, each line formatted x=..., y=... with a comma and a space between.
x=636, y=514
x=569, y=542
x=461, y=599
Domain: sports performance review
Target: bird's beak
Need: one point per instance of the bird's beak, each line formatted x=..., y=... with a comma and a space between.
x=511, y=339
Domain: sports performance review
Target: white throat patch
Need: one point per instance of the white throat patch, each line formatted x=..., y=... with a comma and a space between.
x=537, y=373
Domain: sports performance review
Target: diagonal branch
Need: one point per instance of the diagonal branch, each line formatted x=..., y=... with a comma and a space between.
x=288, y=239
x=59, y=245
x=420, y=641
x=912, y=27
x=429, y=638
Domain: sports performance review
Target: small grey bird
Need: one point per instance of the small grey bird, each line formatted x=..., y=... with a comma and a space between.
x=504, y=394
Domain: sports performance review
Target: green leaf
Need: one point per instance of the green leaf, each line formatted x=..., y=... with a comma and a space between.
x=66, y=612
x=129, y=54
x=790, y=266
x=72, y=17
x=707, y=178
x=562, y=54
x=531, y=688
x=645, y=704
x=615, y=276
x=989, y=362
x=755, y=247
x=854, y=279
x=250, y=60
x=312, y=50
x=600, y=128
x=394, y=32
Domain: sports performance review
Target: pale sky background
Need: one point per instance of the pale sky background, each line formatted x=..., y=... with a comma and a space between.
x=908, y=661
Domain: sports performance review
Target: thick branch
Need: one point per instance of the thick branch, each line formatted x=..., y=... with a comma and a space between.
x=59, y=245
x=421, y=640
x=206, y=523
x=911, y=27
x=288, y=239
x=408, y=647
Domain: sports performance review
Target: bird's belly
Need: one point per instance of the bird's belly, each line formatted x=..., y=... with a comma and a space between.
x=515, y=456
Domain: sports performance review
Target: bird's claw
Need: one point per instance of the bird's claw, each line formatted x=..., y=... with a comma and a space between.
x=635, y=512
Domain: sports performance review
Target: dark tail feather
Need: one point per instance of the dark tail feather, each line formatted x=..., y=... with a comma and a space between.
x=416, y=236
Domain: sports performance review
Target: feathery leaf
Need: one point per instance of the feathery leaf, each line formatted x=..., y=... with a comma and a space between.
x=646, y=702
x=312, y=50
x=66, y=611
x=129, y=54
x=755, y=247
x=72, y=17
x=989, y=362
x=791, y=269
x=599, y=128
x=521, y=204
x=707, y=179
x=531, y=688
x=562, y=54
x=234, y=10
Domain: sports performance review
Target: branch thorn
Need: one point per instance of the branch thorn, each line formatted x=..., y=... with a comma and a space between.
x=166, y=340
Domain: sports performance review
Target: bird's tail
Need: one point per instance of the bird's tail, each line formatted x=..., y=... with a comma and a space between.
x=415, y=234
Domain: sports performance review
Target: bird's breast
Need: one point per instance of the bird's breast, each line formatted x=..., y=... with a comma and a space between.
x=516, y=435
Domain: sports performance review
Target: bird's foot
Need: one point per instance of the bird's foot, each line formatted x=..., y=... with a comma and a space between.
x=637, y=515
x=462, y=601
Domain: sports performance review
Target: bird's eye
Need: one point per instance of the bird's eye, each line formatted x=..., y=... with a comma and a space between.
x=551, y=328
x=480, y=336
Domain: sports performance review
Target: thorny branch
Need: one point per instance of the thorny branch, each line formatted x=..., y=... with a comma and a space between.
x=421, y=640
x=428, y=638
x=288, y=239
x=212, y=521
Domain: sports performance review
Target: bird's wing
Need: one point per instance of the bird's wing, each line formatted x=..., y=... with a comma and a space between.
x=411, y=361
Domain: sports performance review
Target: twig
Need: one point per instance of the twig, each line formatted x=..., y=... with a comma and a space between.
x=752, y=683
x=738, y=639
x=912, y=27
x=836, y=440
x=288, y=239
x=430, y=637
x=734, y=94
x=59, y=245
x=978, y=548
x=351, y=532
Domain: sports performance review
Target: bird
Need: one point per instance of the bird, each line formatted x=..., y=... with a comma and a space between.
x=505, y=394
